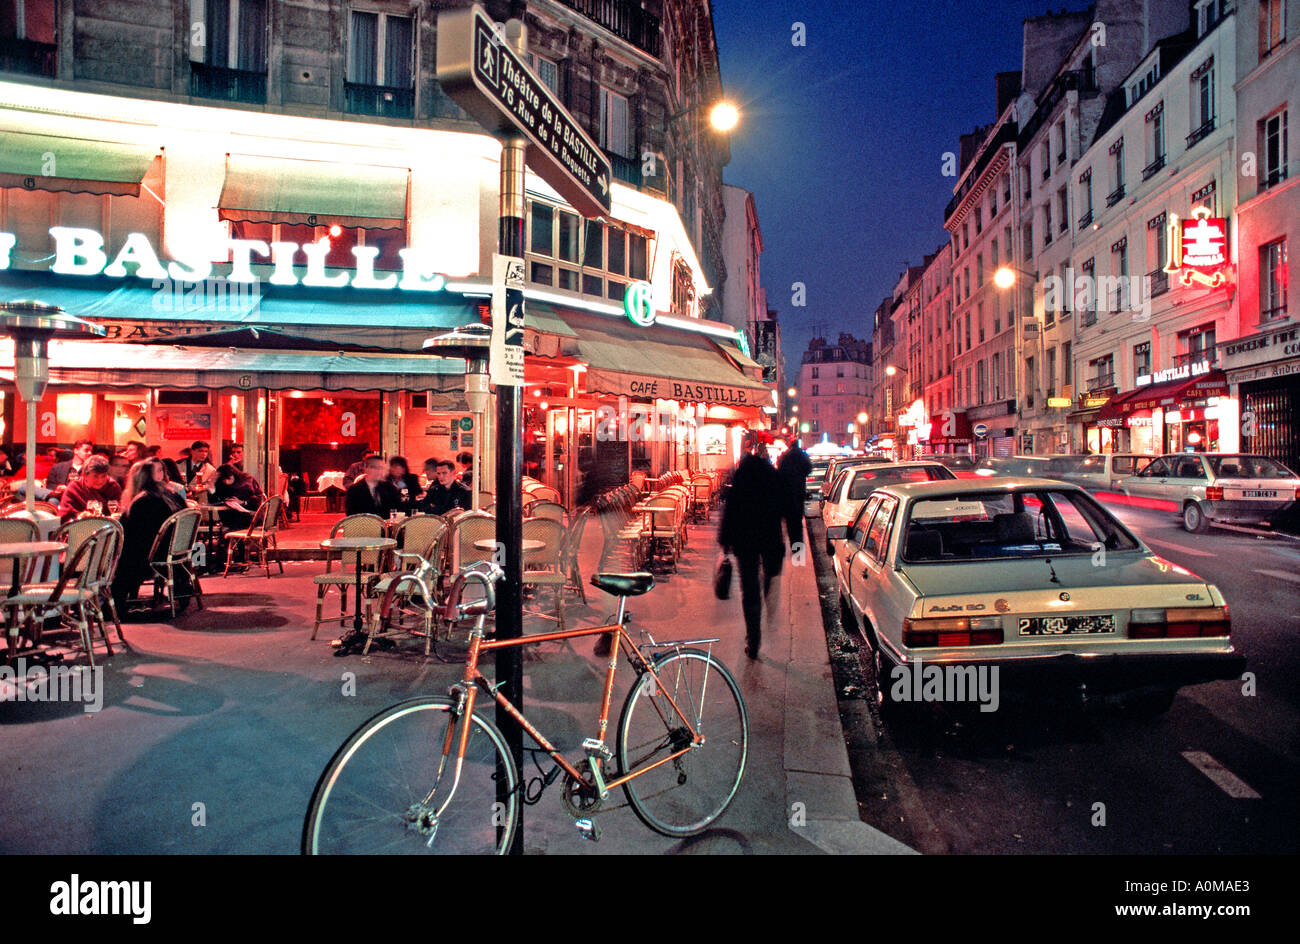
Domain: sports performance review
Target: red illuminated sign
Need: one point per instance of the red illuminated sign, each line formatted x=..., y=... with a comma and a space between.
x=1198, y=249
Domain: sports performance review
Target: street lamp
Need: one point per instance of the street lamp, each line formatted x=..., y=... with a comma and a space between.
x=32, y=324
x=723, y=115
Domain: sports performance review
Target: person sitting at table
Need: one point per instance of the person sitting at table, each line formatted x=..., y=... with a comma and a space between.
x=445, y=490
x=358, y=468
x=150, y=502
x=119, y=467
x=373, y=494
x=64, y=473
x=94, y=492
x=240, y=493
x=197, y=472
x=405, y=481
x=466, y=461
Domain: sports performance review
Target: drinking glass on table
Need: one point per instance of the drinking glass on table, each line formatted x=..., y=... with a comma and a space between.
x=95, y=507
x=113, y=506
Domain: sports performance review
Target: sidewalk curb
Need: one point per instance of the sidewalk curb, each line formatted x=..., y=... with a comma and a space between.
x=821, y=806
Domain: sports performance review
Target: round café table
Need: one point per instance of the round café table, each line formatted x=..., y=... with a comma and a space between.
x=529, y=544
x=19, y=551
x=359, y=546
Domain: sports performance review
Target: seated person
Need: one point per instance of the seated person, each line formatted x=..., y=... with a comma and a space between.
x=445, y=491
x=240, y=493
x=358, y=468
x=466, y=460
x=93, y=493
x=197, y=474
x=151, y=503
x=405, y=481
x=373, y=494
x=63, y=474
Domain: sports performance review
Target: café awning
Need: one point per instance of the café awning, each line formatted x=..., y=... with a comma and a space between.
x=659, y=362
x=72, y=165
x=113, y=364
x=313, y=193
x=1175, y=394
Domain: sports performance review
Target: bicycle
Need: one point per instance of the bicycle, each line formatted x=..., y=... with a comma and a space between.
x=431, y=775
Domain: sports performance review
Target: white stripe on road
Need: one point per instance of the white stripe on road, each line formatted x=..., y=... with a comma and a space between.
x=1281, y=575
x=1223, y=778
x=1180, y=548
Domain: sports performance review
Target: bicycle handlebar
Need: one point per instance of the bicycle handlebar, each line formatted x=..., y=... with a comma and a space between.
x=485, y=573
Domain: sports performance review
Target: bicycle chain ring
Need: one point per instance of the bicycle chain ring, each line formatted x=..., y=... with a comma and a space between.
x=580, y=797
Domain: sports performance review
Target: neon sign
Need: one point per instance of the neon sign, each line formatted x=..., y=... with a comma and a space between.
x=638, y=304
x=1198, y=249
x=82, y=252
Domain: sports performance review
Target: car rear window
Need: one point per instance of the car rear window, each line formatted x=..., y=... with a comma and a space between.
x=1249, y=467
x=866, y=481
x=1016, y=524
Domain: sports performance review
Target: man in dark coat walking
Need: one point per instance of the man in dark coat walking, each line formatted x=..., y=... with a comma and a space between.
x=751, y=530
x=795, y=467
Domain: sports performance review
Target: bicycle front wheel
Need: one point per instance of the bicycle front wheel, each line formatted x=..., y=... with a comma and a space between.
x=391, y=790
x=681, y=797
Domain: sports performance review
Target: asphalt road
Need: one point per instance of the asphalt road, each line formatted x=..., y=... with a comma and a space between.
x=1062, y=778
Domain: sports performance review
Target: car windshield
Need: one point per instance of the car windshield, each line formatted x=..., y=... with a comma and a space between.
x=866, y=481
x=1249, y=467
x=965, y=463
x=1023, y=523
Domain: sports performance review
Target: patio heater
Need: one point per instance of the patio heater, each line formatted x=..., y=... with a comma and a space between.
x=472, y=343
x=32, y=324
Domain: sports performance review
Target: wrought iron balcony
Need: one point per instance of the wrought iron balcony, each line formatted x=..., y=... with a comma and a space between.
x=233, y=85
x=1085, y=220
x=1151, y=169
x=1208, y=355
x=625, y=19
x=385, y=101
x=28, y=57
x=1158, y=280
x=1115, y=196
x=1200, y=132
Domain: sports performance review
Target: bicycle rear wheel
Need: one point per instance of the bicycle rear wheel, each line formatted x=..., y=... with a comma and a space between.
x=683, y=796
x=381, y=792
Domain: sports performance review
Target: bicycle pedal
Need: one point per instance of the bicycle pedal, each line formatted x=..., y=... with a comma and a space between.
x=588, y=829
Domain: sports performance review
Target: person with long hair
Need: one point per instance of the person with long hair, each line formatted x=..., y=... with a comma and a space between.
x=406, y=483
x=240, y=493
x=148, y=502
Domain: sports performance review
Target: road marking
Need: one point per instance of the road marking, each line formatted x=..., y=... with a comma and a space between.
x=1180, y=548
x=1223, y=778
x=1282, y=575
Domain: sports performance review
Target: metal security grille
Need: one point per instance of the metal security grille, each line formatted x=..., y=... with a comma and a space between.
x=1273, y=407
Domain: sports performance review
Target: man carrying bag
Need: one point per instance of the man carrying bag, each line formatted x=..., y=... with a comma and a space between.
x=751, y=530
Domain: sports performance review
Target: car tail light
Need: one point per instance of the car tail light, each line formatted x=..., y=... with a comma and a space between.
x=1297, y=494
x=1179, y=623
x=1214, y=493
x=956, y=631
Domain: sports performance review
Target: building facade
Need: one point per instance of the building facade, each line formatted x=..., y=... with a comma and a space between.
x=834, y=388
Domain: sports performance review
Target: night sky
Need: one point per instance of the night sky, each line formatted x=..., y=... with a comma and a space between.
x=842, y=140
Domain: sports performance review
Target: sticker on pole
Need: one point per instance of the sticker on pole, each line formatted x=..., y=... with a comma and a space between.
x=506, y=363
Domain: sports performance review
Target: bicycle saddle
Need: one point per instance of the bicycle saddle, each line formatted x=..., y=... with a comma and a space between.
x=624, y=585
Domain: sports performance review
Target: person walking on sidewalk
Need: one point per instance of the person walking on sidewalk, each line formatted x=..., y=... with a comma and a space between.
x=795, y=467
x=751, y=530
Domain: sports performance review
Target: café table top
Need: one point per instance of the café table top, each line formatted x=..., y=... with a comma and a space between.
x=529, y=544
x=357, y=544
x=31, y=548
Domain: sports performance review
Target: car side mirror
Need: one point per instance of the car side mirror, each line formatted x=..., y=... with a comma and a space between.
x=837, y=532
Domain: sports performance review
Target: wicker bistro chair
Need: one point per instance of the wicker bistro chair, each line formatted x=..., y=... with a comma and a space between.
x=545, y=567
x=545, y=493
x=18, y=531
x=173, y=550
x=661, y=532
x=466, y=529
x=343, y=579
x=261, y=534
x=701, y=497
x=541, y=508
x=622, y=534
x=104, y=564
x=74, y=595
x=569, y=553
x=414, y=588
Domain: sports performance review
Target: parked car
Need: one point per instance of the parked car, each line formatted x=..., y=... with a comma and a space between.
x=857, y=483
x=1101, y=472
x=962, y=464
x=840, y=463
x=1218, y=488
x=813, y=481
x=1012, y=465
x=1005, y=573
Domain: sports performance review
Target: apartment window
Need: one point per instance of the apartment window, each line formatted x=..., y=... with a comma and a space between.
x=997, y=317
x=979, y=269
x=1027, y=179
x=1141, y=360
x=979, y=309
x=993, y=255
x=381, y=50
x=1208, y=14
x=966, y=280
x=1006, y=243
x=31, y=22
x=997, y=376
x=1272, y=280
x=1089, y=315
x=1116, y=173
x=1103, y=372
x=576, y=255
x=1196, y=345
x=815, y=372
x=236, y=34
x=1045, y=159
x=1031, y=381
x=968, y=331
x=615, y=130
x=1272, y=25
x=815, y=388
x=1119, y=265
x=1202, y=102
x=547, y=70
x=979, y=220
x=1273, y=145
x=1006, y=189
x=1085, y=198
x=993, y=203
x=1061, y=149
x=1063, y=209
x=965, y=234
x=1047, y=224
x=979, y=380
x=1067, y=366
x=1157, y=245
x=1155, y=134
x=839, y=371
x=1049, y=377
x=1027, y=240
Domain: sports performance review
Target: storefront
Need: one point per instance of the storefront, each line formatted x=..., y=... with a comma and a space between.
x=949, y=433
x=1263, y=372
x=998, y=420
x=1095, y=433
x=1186, y=413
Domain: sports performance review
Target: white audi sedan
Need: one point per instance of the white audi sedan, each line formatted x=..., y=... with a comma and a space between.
x=854, y=485
x=1029, y=581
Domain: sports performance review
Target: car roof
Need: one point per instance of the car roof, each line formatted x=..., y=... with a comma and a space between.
x=922, y=490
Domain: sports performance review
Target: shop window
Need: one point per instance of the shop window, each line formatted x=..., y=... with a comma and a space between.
x=1272, y=280
x=615, y=289
x=617, y=252
x=636, y=256
x=592, y=285
x=567, y=238
x=542, y=274
x=341, y=241
x=593, y=245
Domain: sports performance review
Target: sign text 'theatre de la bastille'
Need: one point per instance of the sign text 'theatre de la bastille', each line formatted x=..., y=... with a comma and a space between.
x=82, y=252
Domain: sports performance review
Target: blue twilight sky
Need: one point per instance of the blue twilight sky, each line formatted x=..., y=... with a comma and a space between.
x=842, y=139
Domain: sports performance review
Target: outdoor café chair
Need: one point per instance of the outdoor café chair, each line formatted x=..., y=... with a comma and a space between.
x=343, y=579
x=468, y=528
x=413, y=588
x=173, y=550
x=569, y=553
x=260, y=534
x=542, y=508
x=544, y=567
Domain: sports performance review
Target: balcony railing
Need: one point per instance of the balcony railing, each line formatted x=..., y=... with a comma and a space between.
x=1115, y=196
x=1085, y=220
x=626, y=169
x=1102, y=382
x=233, y=85
x=1151, y=169
x=384, y=101
x=1158, y=280
x=625, y=19
x=1209, y=355
x=28, y=57
x=1200, y=132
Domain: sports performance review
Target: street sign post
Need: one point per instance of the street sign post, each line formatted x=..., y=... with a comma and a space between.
x=481, y=67
x=483, y=75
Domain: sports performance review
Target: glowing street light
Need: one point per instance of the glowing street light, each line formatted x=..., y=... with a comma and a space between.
x=792, y=392
x=863, y=417
x=724, y=116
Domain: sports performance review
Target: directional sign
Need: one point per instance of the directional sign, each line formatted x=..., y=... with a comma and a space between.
x=482, y=75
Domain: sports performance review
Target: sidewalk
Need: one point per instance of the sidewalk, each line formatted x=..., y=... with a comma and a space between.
x=214, y=729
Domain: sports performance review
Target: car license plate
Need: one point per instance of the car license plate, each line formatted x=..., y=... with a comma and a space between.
x=1066, y=625
x=1258, y=493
